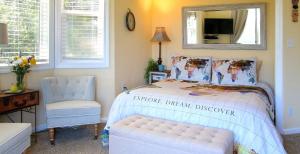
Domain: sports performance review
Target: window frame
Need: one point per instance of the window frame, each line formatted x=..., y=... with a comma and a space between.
x=50, y=64
x=81, y=63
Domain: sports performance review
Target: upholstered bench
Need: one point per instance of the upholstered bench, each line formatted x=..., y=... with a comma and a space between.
x=145, y=135
x=14, y=137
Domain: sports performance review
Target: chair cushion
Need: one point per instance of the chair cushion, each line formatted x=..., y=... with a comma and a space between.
x=72, y=109
x=13, y=136
x=185, y=137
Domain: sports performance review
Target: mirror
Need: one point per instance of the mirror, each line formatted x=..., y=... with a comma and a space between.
x=240, y=27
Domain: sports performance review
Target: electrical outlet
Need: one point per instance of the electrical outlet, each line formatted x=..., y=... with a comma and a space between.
x=290, y=111
x=290, y=43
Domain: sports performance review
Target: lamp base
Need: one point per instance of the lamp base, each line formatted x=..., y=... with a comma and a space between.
x=159, y=61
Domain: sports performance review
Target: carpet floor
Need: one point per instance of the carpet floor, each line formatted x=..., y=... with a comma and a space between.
x=80, y=141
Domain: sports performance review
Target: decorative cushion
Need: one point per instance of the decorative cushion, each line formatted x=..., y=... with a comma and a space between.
x=187, y=138
x=234, y=72
x=14, y=137
x=191, y=69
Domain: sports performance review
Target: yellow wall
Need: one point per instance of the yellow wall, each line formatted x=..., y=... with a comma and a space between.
x=291, y=70
x=167, y=13
x=133, y=49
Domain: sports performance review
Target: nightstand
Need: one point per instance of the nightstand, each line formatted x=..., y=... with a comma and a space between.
x=157, y=76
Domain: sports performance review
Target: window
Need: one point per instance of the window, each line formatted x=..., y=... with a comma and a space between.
x=192, y=28
x=250, y=35
x=28, y=29
x=80, y=34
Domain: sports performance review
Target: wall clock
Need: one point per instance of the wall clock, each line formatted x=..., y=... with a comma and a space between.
x=130, y=21
x=295, y=12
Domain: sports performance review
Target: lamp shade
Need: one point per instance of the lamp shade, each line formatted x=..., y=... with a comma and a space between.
x=160, y=35
x=3, y=34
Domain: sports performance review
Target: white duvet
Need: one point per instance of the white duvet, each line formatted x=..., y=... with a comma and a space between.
x=246, y=114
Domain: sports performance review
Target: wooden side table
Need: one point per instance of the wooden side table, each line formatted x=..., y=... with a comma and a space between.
x=19, y=102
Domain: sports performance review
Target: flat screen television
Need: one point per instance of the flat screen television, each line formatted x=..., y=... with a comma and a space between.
x=218, y=26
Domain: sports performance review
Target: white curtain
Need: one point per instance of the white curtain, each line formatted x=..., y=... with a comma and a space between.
x=240, y=18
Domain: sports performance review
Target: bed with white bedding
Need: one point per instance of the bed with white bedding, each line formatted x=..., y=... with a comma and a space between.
x=247, y=111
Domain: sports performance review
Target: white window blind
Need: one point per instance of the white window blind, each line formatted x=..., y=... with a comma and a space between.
x=28, y=29
x=80, y=28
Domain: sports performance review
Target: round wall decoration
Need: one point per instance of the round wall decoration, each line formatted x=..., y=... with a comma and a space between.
x=130, y=21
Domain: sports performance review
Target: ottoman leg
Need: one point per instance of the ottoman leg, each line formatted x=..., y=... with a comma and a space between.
x=96, y=131
x=52, y=135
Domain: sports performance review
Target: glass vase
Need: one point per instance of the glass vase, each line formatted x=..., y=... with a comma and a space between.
x=20, y=82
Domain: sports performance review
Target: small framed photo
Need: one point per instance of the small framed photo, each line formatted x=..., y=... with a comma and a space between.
x=157, y=76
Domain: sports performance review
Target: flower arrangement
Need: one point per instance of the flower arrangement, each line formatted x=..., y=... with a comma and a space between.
x=21, y=66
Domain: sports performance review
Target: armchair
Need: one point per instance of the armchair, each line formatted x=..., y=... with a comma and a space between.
x=70, y=101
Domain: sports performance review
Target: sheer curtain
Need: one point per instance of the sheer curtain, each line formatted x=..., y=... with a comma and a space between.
x=240, y=18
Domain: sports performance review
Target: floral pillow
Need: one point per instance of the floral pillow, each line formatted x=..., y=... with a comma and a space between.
x=234, y=72
x=191, y=69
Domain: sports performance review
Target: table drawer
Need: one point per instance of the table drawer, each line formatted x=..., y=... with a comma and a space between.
x=18, y=101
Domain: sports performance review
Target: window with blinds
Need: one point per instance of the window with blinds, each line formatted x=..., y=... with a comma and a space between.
x=80, y=31
x=28, y=29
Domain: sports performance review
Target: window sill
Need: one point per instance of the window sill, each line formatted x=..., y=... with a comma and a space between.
x=38, y=67
x=79, y=64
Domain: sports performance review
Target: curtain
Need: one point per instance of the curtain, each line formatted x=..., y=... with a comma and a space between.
x=240, y=18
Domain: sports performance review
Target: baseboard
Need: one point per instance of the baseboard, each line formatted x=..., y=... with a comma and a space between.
x=291, y=131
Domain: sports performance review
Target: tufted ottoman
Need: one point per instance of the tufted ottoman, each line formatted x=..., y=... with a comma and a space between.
x=145, y=135
x=14, y=137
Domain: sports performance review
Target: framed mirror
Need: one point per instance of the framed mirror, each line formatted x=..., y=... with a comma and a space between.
x=225, y=27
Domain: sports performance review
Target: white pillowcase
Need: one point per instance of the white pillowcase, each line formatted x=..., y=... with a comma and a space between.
x=234, y=72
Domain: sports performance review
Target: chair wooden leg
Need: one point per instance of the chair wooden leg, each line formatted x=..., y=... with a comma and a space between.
x=52, y=136
x=96, y=131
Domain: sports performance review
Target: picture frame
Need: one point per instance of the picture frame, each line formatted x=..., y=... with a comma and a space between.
x=157, y=76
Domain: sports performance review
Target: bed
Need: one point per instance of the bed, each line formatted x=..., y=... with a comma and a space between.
x=247, y=111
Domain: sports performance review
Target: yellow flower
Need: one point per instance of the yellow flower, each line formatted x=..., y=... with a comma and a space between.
x=22, y=65
x=24, y=61
x=33, y=61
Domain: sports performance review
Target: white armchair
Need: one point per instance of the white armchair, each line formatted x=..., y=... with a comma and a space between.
x=70, y=101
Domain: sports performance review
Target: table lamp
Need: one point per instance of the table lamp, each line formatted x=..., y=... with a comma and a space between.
x=160, y=36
